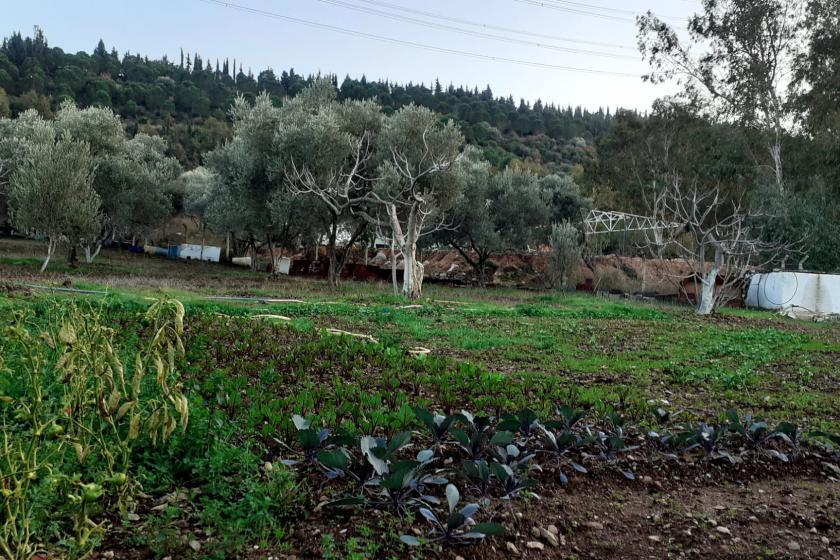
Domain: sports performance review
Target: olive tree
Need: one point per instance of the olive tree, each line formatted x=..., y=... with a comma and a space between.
x=416, y=185
x=325, y=149
x=131, y=175
x=51, y=193
x=144, y=173
x=495, y=213
x=100, y=128
x=197, y=186
x=241, y=200
x=16, y=137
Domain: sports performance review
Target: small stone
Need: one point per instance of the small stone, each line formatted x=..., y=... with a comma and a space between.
x=814, y=530
x=655, y=538
x=512, y=548
x=752, y=518
x=195, y=545
x=550, y=537
x=131, y=516
x=535, y=531
x=594, y=525
x=268, y=467
x=723, y=530
x=553, y=529
x=535, y=545
x=459, y=558
x=108, y=554
x=794, y=546
x=824, y=540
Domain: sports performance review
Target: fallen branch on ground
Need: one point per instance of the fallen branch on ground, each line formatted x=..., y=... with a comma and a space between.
x=269, y=316
x=354, y=335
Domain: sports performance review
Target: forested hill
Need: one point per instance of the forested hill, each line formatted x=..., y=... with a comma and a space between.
x=186, y=101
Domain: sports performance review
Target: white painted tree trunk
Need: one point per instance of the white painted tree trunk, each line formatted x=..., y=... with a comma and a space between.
x=50, y=250
x=413, y=273
x=407, y=242
x=394, y=265
x=706, y=302
x=776, y=155
x=91, y=255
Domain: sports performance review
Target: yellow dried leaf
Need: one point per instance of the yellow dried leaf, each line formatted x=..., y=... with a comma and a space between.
x=134, y=428
x=67, y=334
x=113, y=401
x=48, y=339
x=124, y=409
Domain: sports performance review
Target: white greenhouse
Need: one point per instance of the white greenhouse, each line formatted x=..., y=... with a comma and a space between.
x=798, y=294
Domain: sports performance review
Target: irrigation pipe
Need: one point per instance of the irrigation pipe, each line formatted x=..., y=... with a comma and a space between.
x=67, y=290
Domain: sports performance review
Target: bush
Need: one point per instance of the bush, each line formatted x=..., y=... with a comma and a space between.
x=564, y=256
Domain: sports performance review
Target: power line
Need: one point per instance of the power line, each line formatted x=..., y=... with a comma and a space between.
x=575, y=10
x=608, y=9
x=584, y=9
x=497, y=27
x=481, y=34
x=413, y=44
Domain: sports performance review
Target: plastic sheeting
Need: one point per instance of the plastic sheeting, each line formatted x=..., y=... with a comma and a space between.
x=797, y=294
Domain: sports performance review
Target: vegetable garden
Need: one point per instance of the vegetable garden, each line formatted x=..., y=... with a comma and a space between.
x=536, y=426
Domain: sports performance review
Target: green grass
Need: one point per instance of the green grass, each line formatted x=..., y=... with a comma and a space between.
x=567, y=340
x=495, y=351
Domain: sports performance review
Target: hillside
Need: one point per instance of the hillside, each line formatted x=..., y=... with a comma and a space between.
x=186, y=101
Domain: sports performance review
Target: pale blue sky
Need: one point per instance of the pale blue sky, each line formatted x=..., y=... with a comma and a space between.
x=157, y=27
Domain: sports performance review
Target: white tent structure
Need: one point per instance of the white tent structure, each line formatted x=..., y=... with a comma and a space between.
x=797, y=294
x=199, y=252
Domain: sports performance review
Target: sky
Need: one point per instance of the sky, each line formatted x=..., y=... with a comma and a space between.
x=553, y=60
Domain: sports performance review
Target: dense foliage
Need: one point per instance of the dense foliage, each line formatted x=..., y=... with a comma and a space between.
x=187, y=101
x=753, y=116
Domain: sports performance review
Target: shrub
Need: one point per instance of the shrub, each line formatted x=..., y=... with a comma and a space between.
x=563, y=257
